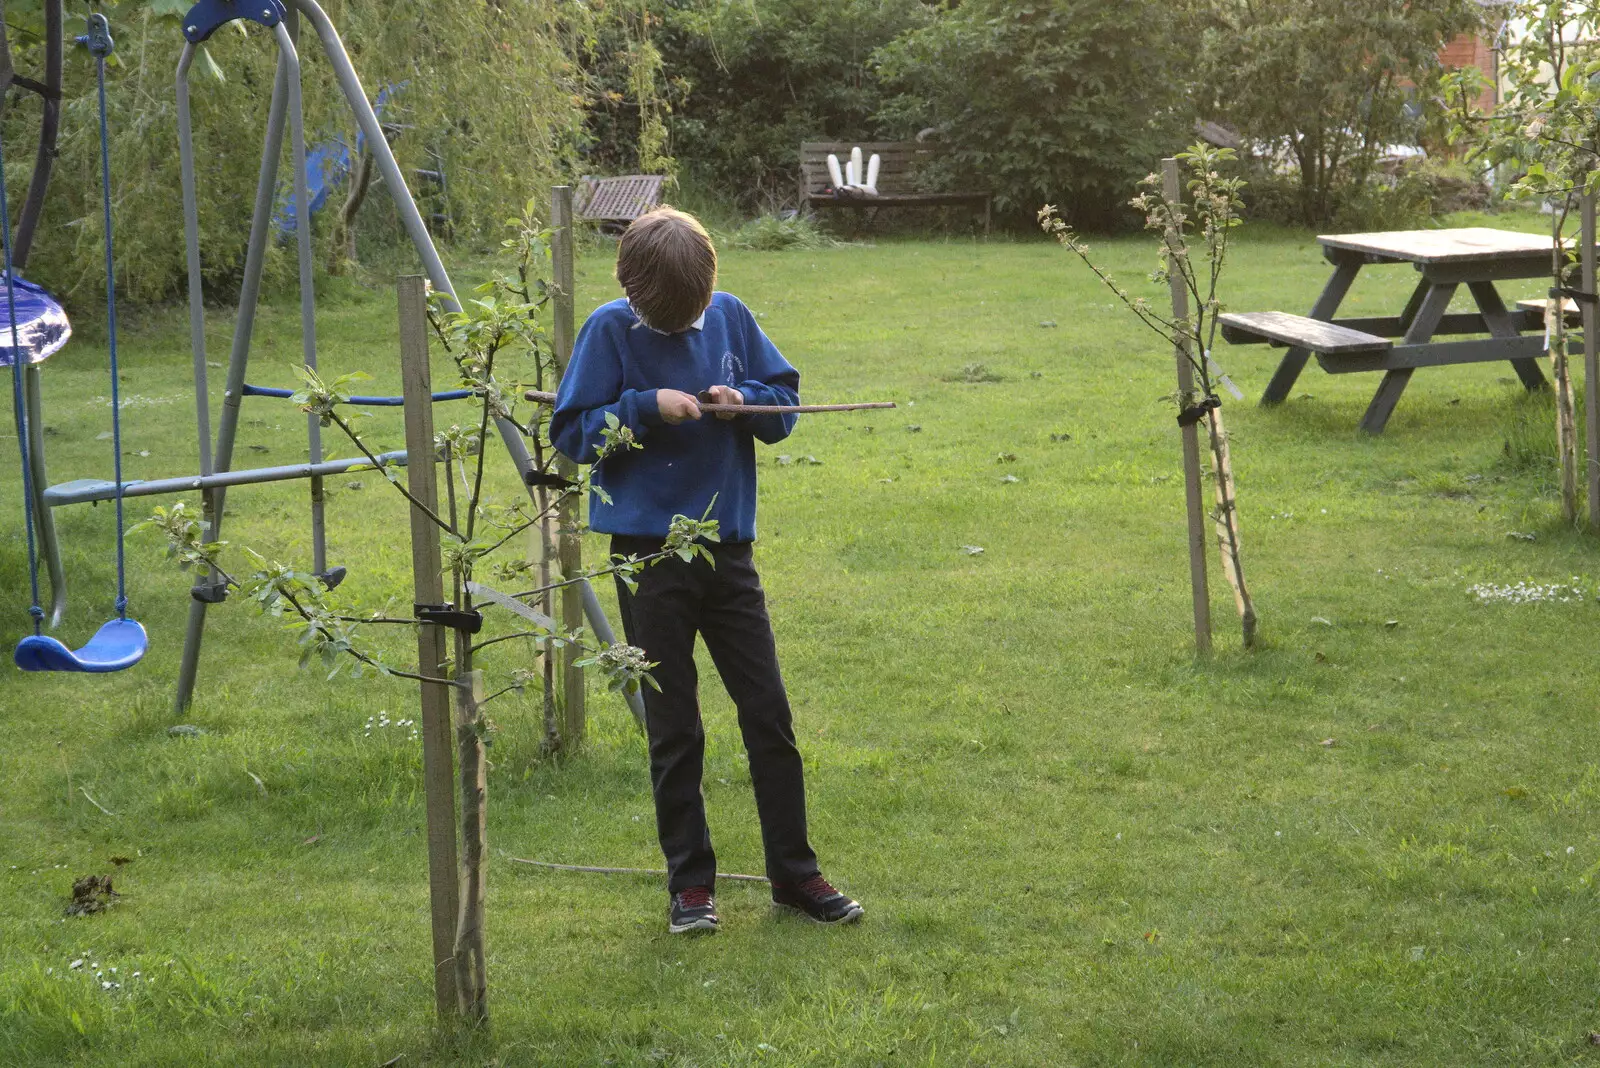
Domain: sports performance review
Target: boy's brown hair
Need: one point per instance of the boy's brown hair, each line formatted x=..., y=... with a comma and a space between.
x=667, y=266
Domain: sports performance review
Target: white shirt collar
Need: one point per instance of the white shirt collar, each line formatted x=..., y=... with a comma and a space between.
x=698, y=324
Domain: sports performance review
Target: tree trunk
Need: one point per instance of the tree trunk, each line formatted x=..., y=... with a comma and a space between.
x=472, y=978
x=344, y=233
x=547, y=554
x=1561, y=371
x=1227, y=520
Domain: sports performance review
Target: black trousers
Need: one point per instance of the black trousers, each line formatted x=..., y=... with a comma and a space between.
x=726, y=606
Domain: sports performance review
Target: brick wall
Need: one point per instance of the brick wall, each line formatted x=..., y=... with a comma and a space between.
x=1472, y=51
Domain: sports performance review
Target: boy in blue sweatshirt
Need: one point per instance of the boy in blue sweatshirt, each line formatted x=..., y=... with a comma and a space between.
x=645, y=359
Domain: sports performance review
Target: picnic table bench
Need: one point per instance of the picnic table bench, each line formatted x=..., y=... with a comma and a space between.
x=899, y=163
x=1476, y=257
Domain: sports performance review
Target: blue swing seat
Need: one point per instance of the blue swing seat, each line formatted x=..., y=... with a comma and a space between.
x=116, y=646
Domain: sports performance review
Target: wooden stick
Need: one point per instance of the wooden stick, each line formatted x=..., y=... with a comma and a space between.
x=438, y=776
x=627, y=871
x=540, y=397
x=1591, y=365
x=569, y=533
x=1561, y=371
x=1193, y=489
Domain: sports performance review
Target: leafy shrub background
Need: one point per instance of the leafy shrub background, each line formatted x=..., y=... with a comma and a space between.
x=1328, y=84
x=744, y=83
x=1040, y=101
x=1056, y=101
x=491, y=100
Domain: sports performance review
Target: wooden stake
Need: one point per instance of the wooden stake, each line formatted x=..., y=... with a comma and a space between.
x=432, y=657
x=1591, y=366
x=1194, y=491
x=570, y=540
x=471, y=970
x=1561, y=370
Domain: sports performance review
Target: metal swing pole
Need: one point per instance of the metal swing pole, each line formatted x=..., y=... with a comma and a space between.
x=411, y=219
x=399, y=192
x=244, y=325
x=27, y=224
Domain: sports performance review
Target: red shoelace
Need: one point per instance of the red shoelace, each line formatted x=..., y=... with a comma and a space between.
x=817, y=888
x=696, y=897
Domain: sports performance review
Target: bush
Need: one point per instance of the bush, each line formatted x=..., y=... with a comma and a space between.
x=488, y=101
x=1417, y=192
x=763, y=76
x=1330, y=84
x=774, y=233
x=1068, y=102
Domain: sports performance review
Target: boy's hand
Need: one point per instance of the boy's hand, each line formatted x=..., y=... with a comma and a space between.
x=724, y=395
x=676, y=407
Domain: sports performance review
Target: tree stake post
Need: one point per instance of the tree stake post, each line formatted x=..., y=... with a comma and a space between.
x=570, y=543
x=1561, y=367
x=1194, y=490
x=432, y=649
x=1591, y=364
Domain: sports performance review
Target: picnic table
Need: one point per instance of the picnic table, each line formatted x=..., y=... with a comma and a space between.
x=1476, y=257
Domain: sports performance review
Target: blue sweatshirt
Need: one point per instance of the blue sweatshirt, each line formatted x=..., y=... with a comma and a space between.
x=617, y=366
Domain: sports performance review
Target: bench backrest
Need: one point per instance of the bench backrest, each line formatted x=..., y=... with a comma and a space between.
x=899, y=162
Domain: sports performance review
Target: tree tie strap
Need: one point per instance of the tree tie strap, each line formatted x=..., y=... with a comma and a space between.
x=1193, y=414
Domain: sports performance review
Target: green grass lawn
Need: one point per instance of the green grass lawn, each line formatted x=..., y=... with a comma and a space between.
x=1372, y=841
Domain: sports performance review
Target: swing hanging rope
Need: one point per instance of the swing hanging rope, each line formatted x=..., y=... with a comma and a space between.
x=100, y=45
x=122, y=642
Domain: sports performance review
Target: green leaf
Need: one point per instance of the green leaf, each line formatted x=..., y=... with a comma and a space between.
x=210, y=65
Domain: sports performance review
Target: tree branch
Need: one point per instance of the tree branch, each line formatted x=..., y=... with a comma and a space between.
x=350, y=433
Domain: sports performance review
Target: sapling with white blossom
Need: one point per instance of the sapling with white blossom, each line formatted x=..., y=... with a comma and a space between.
x=1212, y=218
x=496, y=340
x=1546, y=129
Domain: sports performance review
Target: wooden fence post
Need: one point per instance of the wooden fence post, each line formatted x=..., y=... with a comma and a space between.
x=1194, y=489
x=432, y=656
x=570, y=550
x=1591, y=367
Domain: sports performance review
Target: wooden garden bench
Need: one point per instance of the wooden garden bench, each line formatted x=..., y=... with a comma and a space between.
x=897, y=186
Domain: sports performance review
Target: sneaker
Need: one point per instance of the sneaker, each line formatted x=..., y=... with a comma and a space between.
x=816, y=900
x=693, y=909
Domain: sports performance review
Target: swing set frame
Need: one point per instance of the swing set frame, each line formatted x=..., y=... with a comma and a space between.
x=283, y=19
